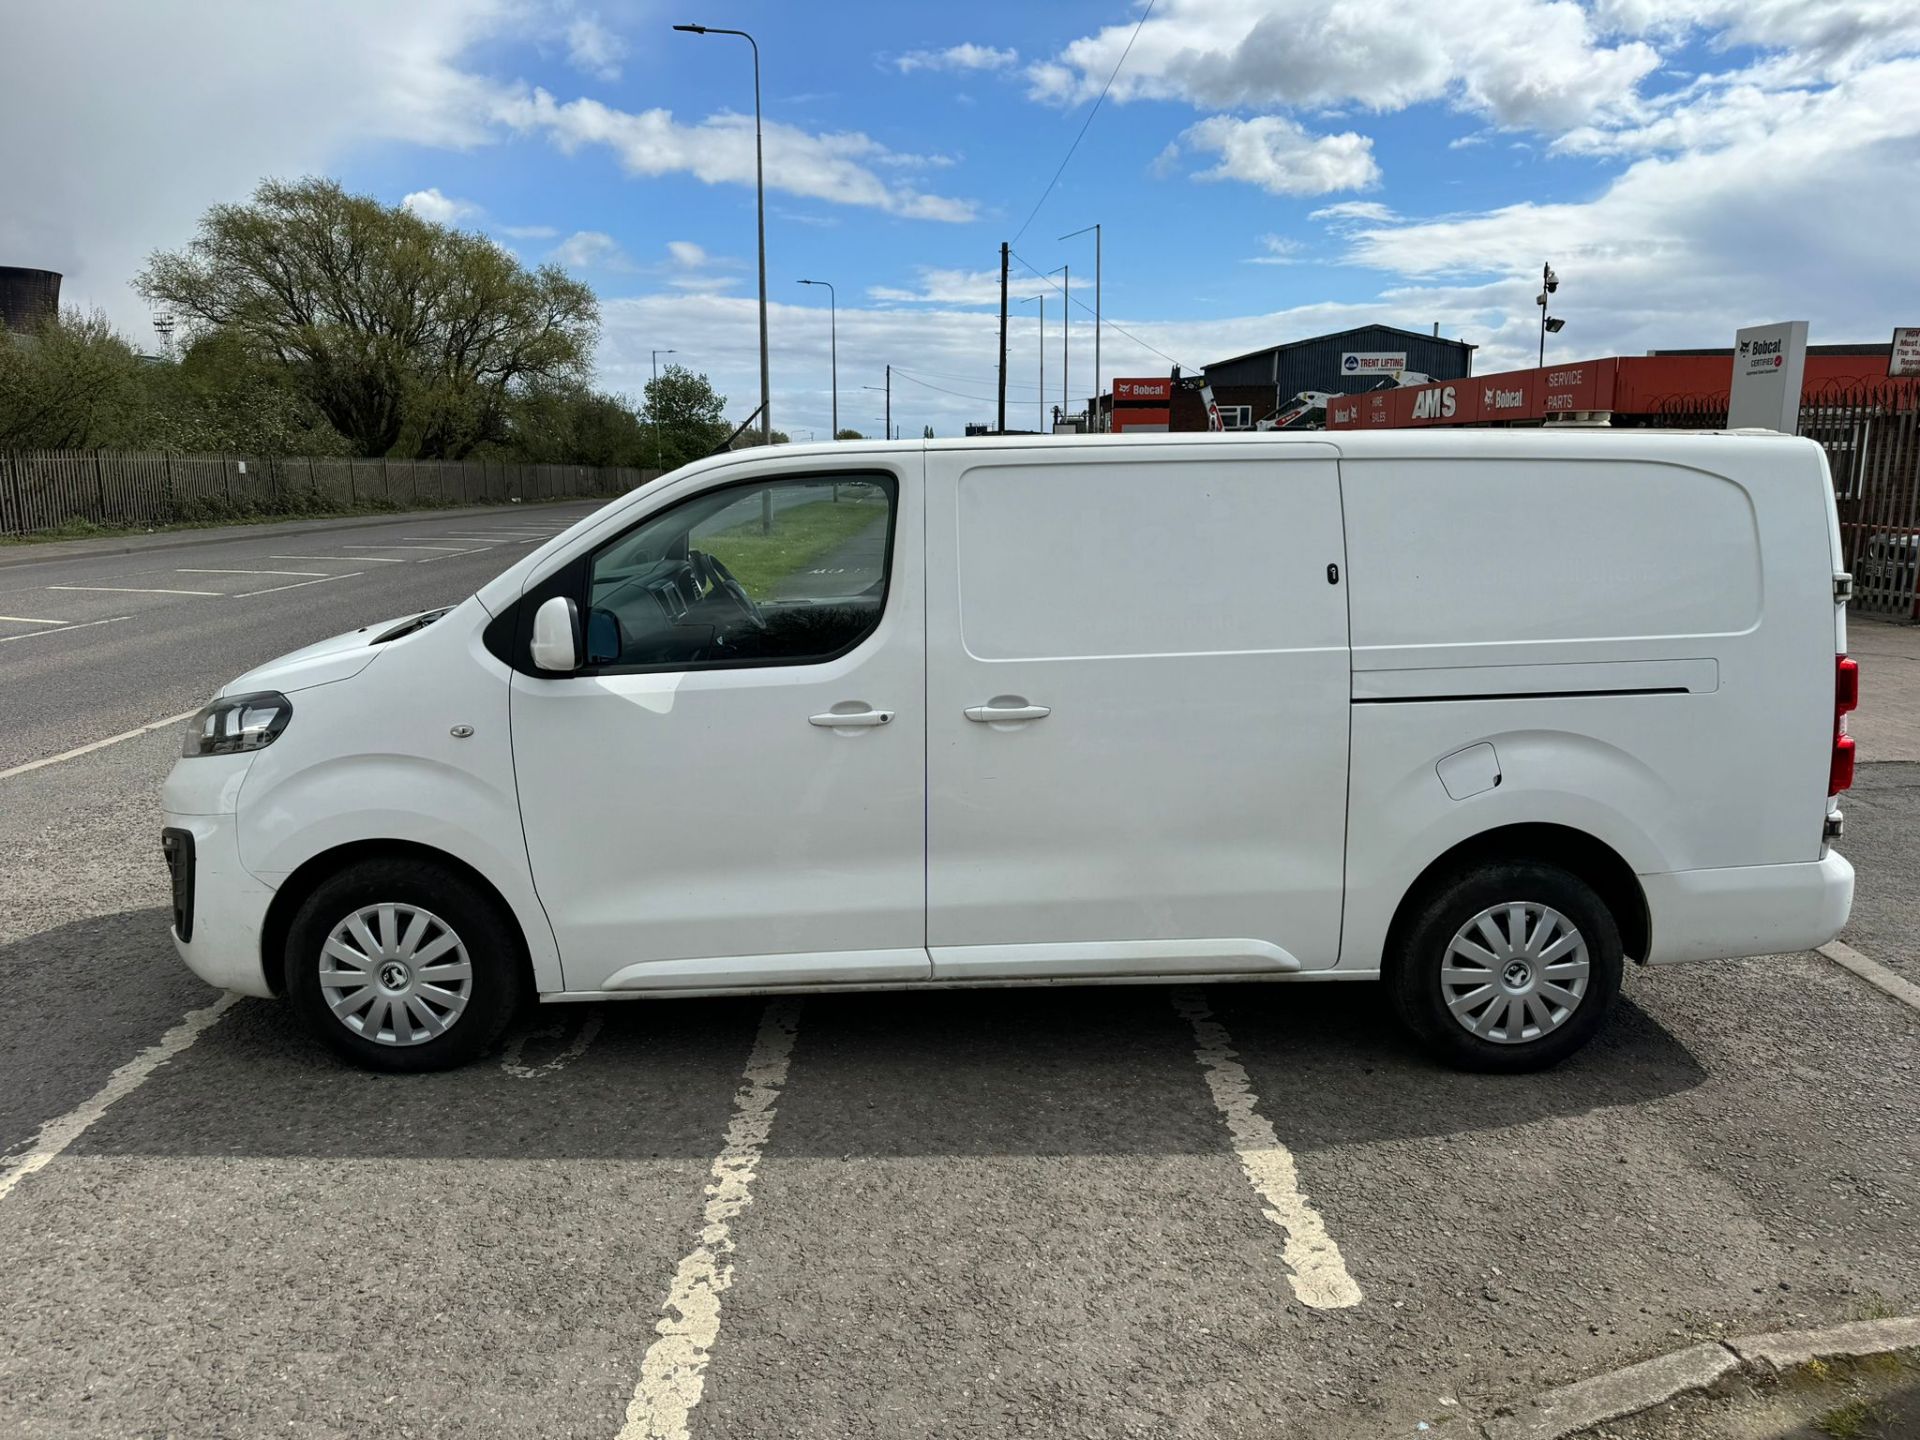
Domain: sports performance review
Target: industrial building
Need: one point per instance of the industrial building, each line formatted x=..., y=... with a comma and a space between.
x=1260, y=385
x=27, y=297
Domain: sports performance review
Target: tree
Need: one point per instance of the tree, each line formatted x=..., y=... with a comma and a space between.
x=70, y=384
x=927, y=433
x=848, y=435
x=389, y=325
x=223, y=395
x=687, y=418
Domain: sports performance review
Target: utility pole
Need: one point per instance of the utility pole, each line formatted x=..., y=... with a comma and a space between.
x=889, y=419
x=1066, y=334
x=1001, y=423
x=1042, y=298
x=1095, y=420
x=833, y=332
x=653, y=410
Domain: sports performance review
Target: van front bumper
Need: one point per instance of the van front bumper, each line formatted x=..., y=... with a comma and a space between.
x=1747, y=910
x=219, y=906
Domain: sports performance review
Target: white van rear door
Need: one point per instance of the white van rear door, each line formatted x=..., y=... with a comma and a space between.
x=1138, y=682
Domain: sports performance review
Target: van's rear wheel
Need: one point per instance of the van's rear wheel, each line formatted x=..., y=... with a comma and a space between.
x=402, y=965
x=1508, y=967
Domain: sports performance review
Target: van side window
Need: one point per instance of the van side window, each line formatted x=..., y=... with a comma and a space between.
x=789, y=571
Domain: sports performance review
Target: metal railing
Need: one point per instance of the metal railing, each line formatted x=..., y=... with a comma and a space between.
x=1871, y=435
x=46, y=489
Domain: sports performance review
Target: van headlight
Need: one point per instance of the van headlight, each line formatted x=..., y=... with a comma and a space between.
x=237, y=724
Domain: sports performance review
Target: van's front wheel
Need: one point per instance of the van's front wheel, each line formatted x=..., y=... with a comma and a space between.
x=401, y=965
x=1507, y=968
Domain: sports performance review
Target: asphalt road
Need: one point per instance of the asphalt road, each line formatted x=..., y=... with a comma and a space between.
x=986, y=1213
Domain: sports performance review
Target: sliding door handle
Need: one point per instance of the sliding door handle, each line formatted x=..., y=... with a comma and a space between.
x=1000, y=714
x=838, y=719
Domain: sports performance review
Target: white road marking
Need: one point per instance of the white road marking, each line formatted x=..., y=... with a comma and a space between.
x=399, y=547
x=57, y=1134
x=429, y=559
x=133, y=590
x=344, y=559
x=675, y=1368
x=29, y=620
x=1320, y=1277
x=79, y=750
x=511, y=1063
x=77, y=625
x=184, y=571
x=298, y=584
x=1873, y=972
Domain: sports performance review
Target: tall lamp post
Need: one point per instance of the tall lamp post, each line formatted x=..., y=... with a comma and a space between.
x=1042, y=298
x=1549, y=282
x=659, y=455
x=833, y=334
x=1095, y=423
x=760, y=197
x=1066, y=338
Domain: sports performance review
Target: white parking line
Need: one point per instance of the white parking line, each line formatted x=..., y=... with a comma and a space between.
x=29, y=620
x=297, y=585
x=429, y=559
x=185, y=571
x=399, y=547
x=344, y=559
x=1873, y=972
x=57, y=1134
x=132, y=590
x=675, y=1368
x=97, y=744
x=77, y=625
x=511, y=1060
x=1319, y=1277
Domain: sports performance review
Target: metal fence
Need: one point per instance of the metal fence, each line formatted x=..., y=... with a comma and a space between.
x=1872, y=438
x=45, y=489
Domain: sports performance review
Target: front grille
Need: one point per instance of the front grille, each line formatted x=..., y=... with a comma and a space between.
x=177, y=846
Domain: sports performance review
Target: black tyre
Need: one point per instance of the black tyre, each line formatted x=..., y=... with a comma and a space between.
x=1508, y=967
x=403, y=965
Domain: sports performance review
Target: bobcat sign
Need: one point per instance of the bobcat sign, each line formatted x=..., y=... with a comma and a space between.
x=1769, y=362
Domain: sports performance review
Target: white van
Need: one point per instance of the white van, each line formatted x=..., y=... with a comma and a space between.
x=1476, y=714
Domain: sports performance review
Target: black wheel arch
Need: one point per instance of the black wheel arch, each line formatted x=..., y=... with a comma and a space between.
x=315, y=871
x=1580, y=854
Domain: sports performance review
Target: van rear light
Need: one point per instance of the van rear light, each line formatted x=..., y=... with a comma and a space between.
x=1846, y=697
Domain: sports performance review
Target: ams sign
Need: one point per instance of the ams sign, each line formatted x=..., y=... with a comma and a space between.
x=1435, y=404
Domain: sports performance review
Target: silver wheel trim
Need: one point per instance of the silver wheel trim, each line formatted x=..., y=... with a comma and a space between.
x=395, y=974
x=1515, y=972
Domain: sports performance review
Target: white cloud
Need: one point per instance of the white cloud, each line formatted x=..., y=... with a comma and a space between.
x=957, y=57
x=945, y=287
x=719, y=150
x=529, y=232
x=430, y=204
x=1280, y=250
x=593, y=49
x=1538, y=64
x=685, y=252
x=1280, y=157
x=591, y=250
x=1354, y=212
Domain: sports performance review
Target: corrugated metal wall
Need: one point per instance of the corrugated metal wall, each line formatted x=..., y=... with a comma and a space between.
x=1315, y=365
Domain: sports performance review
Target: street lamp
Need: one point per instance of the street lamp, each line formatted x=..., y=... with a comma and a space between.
x=1097, y=424
x=1066, y=337
x=1042, y=298
x=1549, y=282
x=760, y=196
x=653, y=414
x=833, y=332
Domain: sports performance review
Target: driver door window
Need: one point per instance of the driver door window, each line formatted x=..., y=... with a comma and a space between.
x=779, y=572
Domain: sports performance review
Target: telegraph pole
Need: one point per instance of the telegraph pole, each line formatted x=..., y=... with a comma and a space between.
x=1001, y=422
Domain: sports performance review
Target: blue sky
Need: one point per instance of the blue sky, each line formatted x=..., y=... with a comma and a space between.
x=1264, y=169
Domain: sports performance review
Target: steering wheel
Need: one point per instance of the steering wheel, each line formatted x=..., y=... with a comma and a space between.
x=713, y=570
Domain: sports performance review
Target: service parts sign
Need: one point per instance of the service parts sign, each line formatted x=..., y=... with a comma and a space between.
x=1769, y=362
x=1372, y=362
x=1905, y=359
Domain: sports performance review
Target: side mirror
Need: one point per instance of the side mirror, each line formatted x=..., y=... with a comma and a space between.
x=556, y=635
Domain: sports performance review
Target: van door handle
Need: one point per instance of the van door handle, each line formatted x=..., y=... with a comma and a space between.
x=837, y=719
x=999, y=714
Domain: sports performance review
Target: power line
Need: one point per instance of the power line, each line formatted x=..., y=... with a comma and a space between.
x=1109, y=324
x=1088, y=121
x=965, y=379
x=927, y=385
